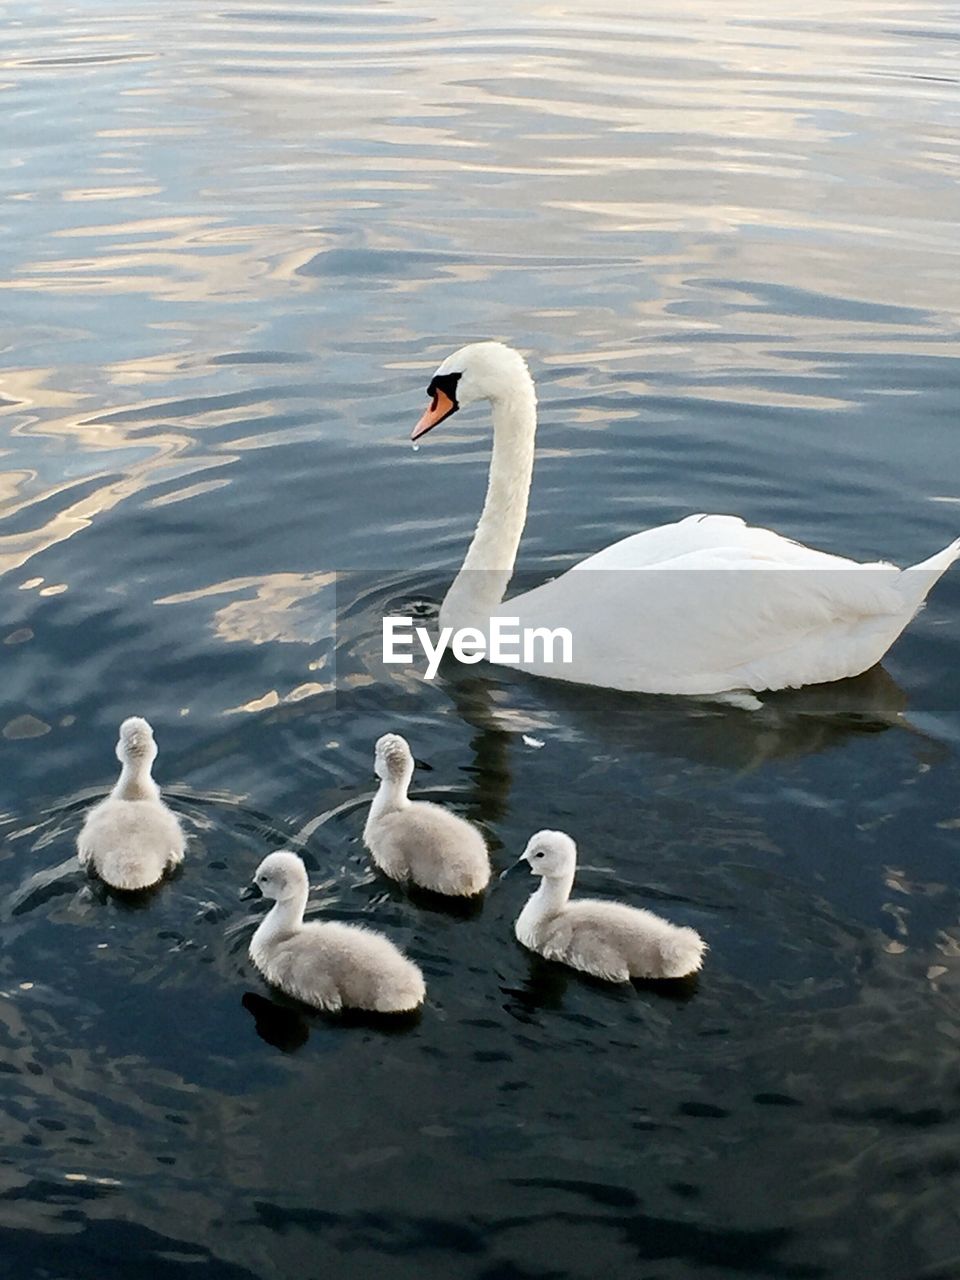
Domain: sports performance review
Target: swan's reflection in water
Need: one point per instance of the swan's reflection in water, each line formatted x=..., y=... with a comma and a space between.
x=444, y=905
x=286, y=1024
x=787, y=725
x=86, y=892
x=285, y=1027
x=545, y=987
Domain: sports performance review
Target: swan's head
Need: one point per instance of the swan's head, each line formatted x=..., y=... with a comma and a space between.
x=280, y=875
x=481, y=371
x=136, y=745
x=550, y=853
x=392, y=759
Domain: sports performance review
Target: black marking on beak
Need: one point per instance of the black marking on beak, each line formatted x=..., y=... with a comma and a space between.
x=447, y=383
x=252, y=890
x=512, y=867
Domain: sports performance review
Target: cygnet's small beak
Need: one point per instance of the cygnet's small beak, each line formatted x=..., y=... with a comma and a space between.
x=512, y=867
x=251, y=891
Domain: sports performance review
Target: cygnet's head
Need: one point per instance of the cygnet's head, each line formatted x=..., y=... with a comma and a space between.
x=551, y=854
x=136, y=745
x=392, y=759
x=481, y=371
x=281, y=875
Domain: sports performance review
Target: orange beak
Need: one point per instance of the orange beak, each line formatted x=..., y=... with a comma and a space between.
x=440, y=407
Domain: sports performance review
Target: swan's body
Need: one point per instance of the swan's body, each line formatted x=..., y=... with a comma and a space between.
x=131, y=838
x=331, y=966
x=417, y=842
x=704, y=606
x=607, y=939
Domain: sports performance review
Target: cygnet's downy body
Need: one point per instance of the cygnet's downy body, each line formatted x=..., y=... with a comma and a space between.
x=607, y=939
x=417, y=842
x=329, y=965
x=131, y=838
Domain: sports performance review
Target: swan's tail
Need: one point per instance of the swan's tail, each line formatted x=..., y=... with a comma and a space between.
x=916, y=582
x=125, y=870
x=682, y=953
x=404, y=993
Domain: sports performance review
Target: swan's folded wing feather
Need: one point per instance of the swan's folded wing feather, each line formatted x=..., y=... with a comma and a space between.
x=718, y=616
x=785, y=595
x=704, y=533
x=299, y=966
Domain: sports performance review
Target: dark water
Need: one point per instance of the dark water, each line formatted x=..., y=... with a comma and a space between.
x=235, y=241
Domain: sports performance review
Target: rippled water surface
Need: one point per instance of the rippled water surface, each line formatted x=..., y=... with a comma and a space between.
x=235, y=241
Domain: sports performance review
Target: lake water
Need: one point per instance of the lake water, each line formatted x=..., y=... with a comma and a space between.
x=235, y=242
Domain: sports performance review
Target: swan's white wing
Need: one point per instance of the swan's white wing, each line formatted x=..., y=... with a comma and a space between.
x=711, y=604
x=668, y=542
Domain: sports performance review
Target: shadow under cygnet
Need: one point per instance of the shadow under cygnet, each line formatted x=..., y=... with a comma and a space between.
x=285, y=1028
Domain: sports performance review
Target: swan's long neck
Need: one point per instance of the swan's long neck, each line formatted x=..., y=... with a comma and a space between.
x=391, y=797
x=284, y=917
x=551, y=897
x=135, y=782
x=482, y=581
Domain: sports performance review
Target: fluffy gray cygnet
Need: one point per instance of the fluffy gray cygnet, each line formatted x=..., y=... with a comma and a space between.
x=417, y=842
x=607, y=939
x=131, y=838
x=329, y=965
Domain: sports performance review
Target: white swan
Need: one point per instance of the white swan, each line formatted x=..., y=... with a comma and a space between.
x=711, y=605
x=131, y=838
x=607, y=939
x=330, y=965
x=418, y=842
